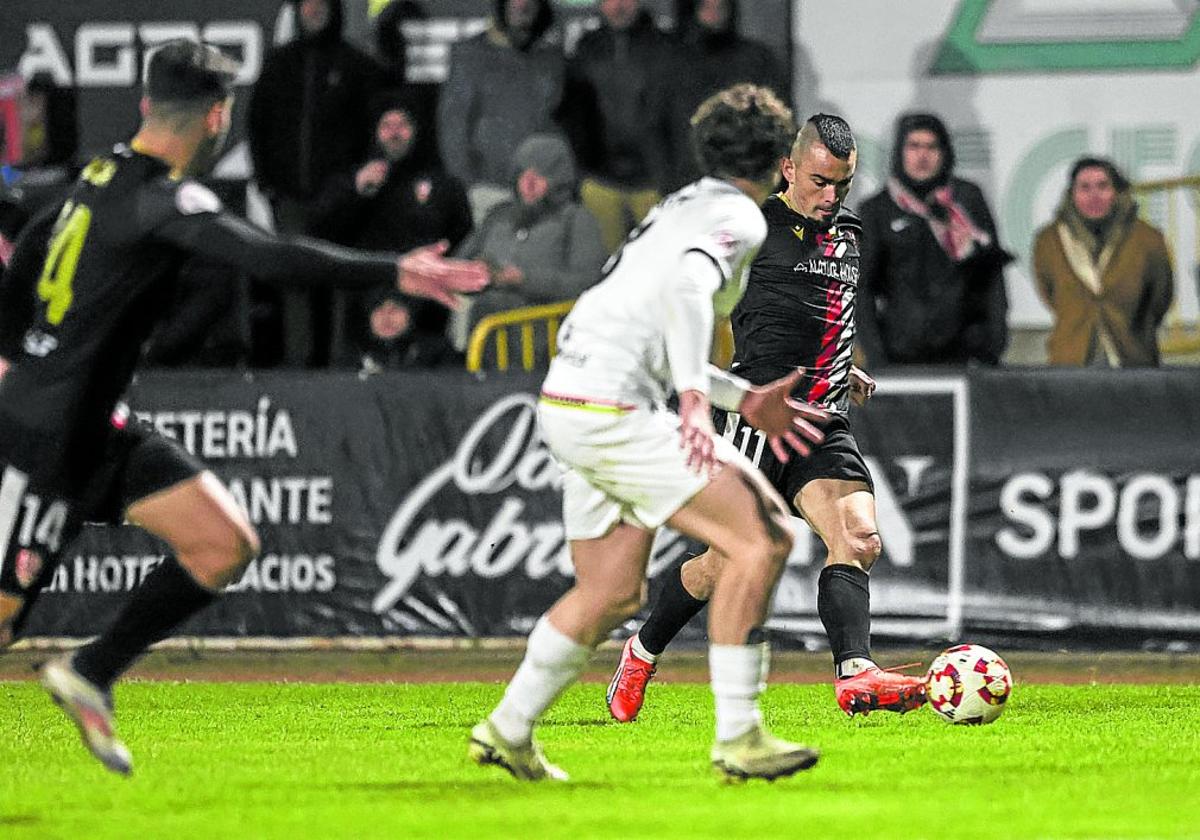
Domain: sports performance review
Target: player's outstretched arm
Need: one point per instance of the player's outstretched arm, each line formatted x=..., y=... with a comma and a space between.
x=787, y=423
x=308, y=263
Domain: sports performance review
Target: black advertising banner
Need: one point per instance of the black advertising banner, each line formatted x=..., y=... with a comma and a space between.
x=913, y=437
x=96, y=46
x=398, y=505
x=1043, y=503
x=1085, y=514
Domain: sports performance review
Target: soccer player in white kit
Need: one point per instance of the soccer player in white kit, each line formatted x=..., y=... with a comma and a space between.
x=633, y=465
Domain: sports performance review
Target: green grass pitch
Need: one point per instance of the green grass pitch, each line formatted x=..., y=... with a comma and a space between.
x=261, y=760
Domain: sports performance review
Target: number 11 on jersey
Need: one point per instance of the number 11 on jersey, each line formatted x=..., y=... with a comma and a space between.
x=740, y=436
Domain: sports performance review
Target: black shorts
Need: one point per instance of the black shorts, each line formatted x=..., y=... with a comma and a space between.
x=37, y=523
x=138, y=462
x=838, y=457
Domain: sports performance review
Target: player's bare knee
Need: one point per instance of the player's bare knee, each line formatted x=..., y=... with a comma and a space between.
x=623, y=606
x=864, y=550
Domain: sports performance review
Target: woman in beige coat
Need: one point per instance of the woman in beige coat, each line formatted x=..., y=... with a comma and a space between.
x=1105, y=273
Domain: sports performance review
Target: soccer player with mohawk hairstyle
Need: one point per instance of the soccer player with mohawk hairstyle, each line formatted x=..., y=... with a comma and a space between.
x=798, y=310
x=633, y=465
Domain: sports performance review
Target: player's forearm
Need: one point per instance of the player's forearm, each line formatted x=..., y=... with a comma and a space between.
x=725, y=390
x=297, y=262
x=688, y=323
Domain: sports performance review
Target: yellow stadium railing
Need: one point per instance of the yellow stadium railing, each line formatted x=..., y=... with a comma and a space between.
x=1178, y=339
x=524, y=322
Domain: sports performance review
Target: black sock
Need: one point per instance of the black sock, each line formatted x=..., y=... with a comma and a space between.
x=165, y=600
x=673, y=608
x=844, y=604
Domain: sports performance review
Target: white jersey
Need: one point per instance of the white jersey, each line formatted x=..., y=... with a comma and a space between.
x=646, y=328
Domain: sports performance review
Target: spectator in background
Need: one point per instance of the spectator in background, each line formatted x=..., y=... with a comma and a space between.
x=616, y=107
x=50, y=132
x=542, y=247
x=710, y=56
x=308, y=119
x=1105, y=274
x=505, y=84
x=931, y=291
x=401, y=197
x=393, y=50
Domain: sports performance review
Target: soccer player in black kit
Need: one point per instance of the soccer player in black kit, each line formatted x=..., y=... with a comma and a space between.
x=83, y=290
x=798, y=310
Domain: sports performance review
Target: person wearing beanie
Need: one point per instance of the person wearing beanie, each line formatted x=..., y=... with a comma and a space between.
x=1104, y=273
x=932, y=285
x=543, y=246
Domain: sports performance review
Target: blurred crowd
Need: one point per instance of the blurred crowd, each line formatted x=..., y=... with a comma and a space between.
x=541, y=162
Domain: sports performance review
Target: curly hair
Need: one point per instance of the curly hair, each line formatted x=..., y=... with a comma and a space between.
x=741, y=132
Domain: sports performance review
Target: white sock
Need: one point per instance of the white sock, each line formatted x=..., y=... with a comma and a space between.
x=739, y=675
x=552, y=662
x=641, y=652
x=853, y=666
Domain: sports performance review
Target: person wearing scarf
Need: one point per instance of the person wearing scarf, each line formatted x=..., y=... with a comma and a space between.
x=1104, y=273
x=932, y=285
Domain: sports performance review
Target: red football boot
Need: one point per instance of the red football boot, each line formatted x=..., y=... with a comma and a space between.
x=877, y=688
x=627, y=691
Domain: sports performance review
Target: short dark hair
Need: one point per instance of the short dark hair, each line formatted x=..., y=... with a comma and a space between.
x=835, y=134
x=741, y=132
x=1119, y=181
x=186, y=73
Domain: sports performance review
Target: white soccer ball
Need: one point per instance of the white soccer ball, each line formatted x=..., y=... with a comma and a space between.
x=968, y=684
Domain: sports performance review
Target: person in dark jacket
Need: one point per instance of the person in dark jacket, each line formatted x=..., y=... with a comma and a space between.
x=308, y=119
x=401, y=197
x=931, y=290
x=711, y=54
x=617, y=82
x=392, y=48
x=505, y=84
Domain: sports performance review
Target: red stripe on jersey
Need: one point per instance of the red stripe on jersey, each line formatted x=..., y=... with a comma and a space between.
x=834, y=301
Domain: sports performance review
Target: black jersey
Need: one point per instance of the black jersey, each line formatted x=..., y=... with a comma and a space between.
x=87, y=284
x=798, y=309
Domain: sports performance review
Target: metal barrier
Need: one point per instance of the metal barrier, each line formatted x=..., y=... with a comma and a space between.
x=526, y=319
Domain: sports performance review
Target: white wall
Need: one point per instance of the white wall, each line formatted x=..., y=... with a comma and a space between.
x=1016, y=132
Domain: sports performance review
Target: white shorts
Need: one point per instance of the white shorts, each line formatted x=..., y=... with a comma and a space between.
x=623, y=465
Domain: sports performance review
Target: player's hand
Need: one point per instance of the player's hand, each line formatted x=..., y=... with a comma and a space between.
x=508, y=276
x=787, y=423
x=370, y=177
x=861, y=385
x=425, y=272
x=696, y=434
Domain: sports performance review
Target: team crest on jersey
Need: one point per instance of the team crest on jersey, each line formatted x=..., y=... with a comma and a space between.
x=422, y=190
x=838, y=243
x=28, y=566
